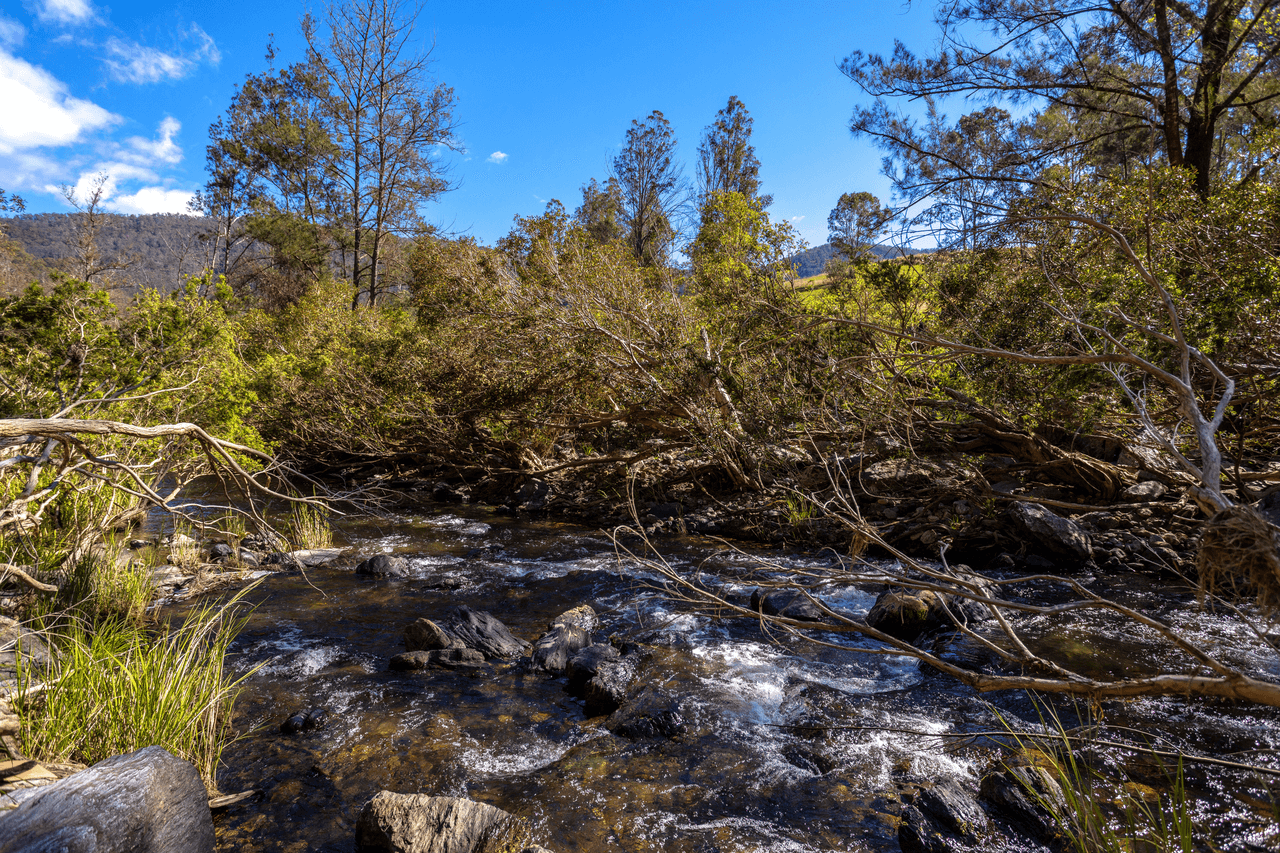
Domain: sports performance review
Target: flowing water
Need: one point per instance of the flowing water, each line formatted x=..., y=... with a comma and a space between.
x=786, y=746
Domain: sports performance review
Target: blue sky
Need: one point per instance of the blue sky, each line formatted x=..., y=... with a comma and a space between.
x=545, y=93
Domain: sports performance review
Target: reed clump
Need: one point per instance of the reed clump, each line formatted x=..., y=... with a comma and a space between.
x=1239, y=557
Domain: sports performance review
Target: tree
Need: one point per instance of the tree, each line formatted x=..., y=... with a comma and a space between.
x=726, y=158
x=856, y=224
x=386, y=121
x=651, y=188
x=87, y=261
x=1186, y=73
x=601, y=210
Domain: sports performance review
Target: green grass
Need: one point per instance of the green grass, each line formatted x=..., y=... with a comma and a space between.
x=309, y=527
x=116, y=688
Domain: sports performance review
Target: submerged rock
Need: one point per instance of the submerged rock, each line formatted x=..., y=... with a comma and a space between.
x=453, y=658
x=418, y=823
x=144, y=802
x=384, y=565
x=608, y=688
x=305, y=721
x=651, y=713
x=584, y=665
x=787, y=603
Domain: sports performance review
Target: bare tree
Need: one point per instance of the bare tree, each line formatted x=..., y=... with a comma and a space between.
x=87, y=261
x=388, y=123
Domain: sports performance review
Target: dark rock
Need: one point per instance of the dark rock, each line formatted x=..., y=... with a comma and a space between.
x=444, y=493
x=941, y=818
x=1017, y=789
x=585, y=664
x=425, y=635
x=607, y=689
x=144, y=802
x=221, y=551
x=904, y=614
x=455, y=658
x=554, y=648
x=807, y=759
x=249, y=558
x=1057, y=538
x=1269, y=507
x=418, y=823
x=305, y=721
x=384, y=565
x=532, y=495
x=666, y=510
x=787, y=603
x=282, y=561
x=652, y=713
x=483, y=632
x=582, y=616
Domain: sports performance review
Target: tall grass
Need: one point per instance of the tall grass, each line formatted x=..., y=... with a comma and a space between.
x=309, y=527
x=116, y=688
x=1099, y=814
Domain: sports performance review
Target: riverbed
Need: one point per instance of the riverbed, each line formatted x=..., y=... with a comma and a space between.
x=783, y=745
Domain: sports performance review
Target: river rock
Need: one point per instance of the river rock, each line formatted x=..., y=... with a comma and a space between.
x=425, y=635
x=583, y=616
x=454, y=658
x=483, y=632
x=607, y=689
x=904, y=614
x=651, y=713
x=305, y=721
x=787, y=603
x=584, y=665
x=1018, y=790
x=144, y=802
x=942, y=818
x=554, y=648
x=220, y=551
x=312, y=557
x=418, y=823
x=1060, y=539
x=384, y=565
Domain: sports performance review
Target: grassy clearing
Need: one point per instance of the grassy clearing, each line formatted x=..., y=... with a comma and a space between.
x=117, y=687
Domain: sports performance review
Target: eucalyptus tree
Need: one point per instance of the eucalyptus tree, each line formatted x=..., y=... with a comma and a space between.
x=727, y=161
x=387, y=120
x=651, y=188
x=1197, y=80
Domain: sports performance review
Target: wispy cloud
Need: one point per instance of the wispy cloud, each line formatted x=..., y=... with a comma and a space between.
x=162, y=149
x=65, y=11
x=497, y=157
x=39, y=111
x=130, y=62
x=11, y=33
x=796, y=218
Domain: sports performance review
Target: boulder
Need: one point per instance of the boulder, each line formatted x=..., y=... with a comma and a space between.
x=651, y=713
x=16, y=639
x=425, y=635
x=787, y=603
x=584, y=665
x=384, y=565
x=305, y=721
x=941, y=818
x=582, y=616
x=418, y=823
x=905, y=614
x=1057, y=538
x=1019, y=788
x=606, y=690
x=481, y=631
x=144, y=802
x=554, y=648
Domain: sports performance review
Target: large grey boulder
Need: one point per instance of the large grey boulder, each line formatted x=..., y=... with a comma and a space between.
x=568, y=634
x=1060, y=539
x=483, y=632
x=418, y=823
x=145, y=802
x=385, y=566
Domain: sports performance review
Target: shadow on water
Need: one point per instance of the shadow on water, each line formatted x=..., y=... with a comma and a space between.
x=786, y=747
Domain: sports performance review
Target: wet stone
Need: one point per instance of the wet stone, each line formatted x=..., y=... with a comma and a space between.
x=554, y=648
x=305, y=721
x=384, y=565
x=483, y=632
x=942, y=818
x=787, y=603
x=455, y=658
x=425, y=635
x=584, y=665
x=608, y=688
x=652, y=713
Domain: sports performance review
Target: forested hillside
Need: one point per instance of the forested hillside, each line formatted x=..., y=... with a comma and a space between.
x=159, y=250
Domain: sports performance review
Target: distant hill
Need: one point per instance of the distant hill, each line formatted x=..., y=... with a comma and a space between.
x=167, y=244
x=814, y=261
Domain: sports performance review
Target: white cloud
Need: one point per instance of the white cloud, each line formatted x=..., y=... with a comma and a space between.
x=162, y=148
x=796, y=218
x=39, y=111
x=11, y=32
x=65, y=11
x=152, y=200
x=130, y=62
x=497, y=157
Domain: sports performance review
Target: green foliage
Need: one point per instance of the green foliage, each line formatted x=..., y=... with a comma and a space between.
x=119, y=687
